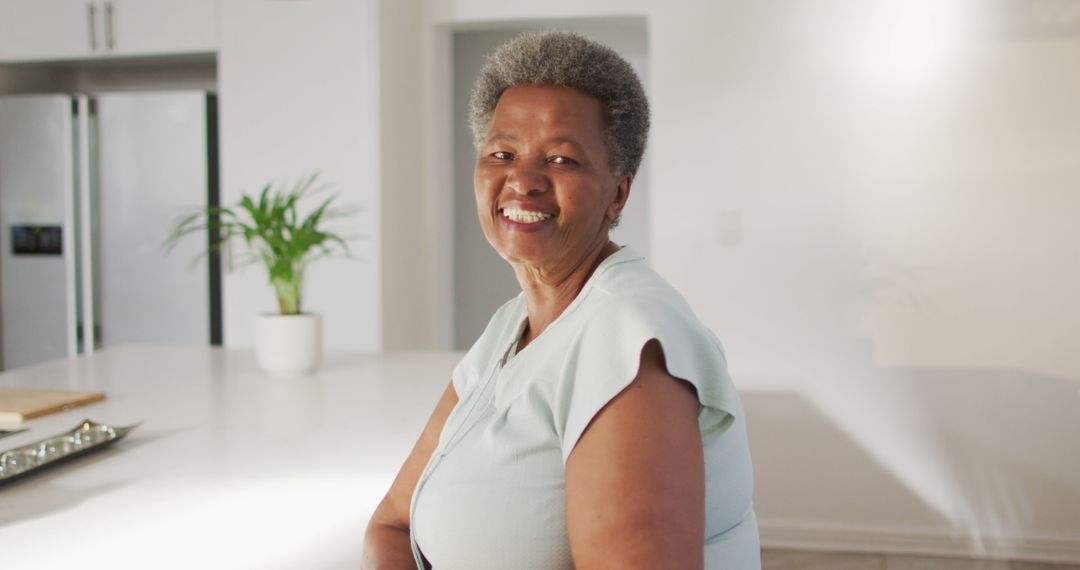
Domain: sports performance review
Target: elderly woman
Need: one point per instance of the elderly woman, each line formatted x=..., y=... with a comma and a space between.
x=593, y=424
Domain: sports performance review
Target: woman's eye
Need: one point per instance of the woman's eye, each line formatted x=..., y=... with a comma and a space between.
x=566, y=160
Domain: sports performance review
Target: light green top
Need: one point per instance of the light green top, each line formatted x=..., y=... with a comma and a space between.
x=492, y=494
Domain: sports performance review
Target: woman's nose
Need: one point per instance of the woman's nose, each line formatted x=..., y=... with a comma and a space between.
x=525, y=179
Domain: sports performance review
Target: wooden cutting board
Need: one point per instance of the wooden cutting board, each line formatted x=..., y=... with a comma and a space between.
x=20, y=404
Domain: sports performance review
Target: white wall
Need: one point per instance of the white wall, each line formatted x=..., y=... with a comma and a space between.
x=873, y=205
x=184, y=73
x=407, y=226
x=17, y=79
x=299, y=92
x=157, y=74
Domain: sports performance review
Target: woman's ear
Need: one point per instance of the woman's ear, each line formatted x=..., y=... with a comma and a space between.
x=622, y=194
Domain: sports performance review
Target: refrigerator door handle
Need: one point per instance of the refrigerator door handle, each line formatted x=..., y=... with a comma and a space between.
x=86, y=225
x=71, y=285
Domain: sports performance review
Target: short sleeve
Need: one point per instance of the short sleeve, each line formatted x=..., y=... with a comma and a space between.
x=607, y=354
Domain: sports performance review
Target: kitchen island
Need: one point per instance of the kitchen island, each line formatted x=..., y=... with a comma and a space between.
x=230, y=468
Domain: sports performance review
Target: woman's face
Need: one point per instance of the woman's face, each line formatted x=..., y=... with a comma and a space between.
x=545, y=191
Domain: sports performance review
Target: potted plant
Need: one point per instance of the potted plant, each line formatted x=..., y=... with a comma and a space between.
x=285, y=243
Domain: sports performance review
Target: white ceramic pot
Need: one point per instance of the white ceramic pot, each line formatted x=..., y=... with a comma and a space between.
x=288, y=344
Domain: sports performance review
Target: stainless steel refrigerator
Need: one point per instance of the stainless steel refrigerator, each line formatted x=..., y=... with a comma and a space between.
x=89, y=185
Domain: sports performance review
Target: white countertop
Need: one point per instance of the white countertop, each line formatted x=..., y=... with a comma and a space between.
x=231, y=468
x=235, y=469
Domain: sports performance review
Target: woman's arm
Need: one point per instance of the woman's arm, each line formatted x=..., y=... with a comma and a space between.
x=386, y=543
x=635, y=481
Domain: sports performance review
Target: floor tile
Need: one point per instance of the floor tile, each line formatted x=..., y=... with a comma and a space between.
x=903, y=562
x=777, y=559
x=1017, y=565
x=789, y=559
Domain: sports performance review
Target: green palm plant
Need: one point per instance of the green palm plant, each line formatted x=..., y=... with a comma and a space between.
x=275, y=234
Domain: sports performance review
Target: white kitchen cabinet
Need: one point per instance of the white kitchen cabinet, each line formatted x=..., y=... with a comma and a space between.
x=37, y=30
x=160, y=27
x=57, y=30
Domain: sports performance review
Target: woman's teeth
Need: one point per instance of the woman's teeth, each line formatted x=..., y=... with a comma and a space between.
x=525, y=216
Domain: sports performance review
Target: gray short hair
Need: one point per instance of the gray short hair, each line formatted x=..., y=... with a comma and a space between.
x=571, y=60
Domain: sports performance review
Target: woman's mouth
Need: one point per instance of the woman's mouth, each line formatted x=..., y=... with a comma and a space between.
x=520, y=216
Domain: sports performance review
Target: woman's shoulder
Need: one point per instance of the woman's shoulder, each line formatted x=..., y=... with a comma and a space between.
x=508, y=311
x=633, y=291
x=499, y=328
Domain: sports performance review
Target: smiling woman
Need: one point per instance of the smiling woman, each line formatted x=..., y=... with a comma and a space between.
x=593, y=423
